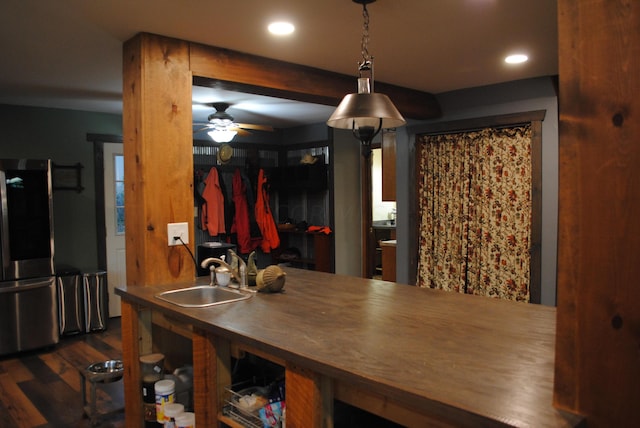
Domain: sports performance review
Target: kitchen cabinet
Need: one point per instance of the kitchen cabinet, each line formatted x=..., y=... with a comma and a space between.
x=383, y=230
x=388, y=260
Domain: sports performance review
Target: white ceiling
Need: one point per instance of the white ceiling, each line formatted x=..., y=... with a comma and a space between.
x=68, y=53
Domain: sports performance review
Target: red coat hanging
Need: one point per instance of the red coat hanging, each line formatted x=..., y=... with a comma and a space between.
x=241, y=218
x=264, y=218
x=213, y=208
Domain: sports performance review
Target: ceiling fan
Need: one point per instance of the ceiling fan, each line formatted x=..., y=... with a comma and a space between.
x=222, y=127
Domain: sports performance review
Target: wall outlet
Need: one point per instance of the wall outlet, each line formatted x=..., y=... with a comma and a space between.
x=180, y=230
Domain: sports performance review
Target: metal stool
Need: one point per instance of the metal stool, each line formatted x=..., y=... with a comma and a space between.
x=102, y=372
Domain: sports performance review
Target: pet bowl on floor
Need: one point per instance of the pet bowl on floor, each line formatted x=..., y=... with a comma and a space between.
x=112, y=369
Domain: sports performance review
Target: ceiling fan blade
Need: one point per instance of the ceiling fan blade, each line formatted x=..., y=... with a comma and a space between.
x=241, y=132
x=201, y=128
x=255, y=127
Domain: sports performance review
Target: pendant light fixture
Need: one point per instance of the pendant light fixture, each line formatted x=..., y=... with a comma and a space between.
x=365, y=112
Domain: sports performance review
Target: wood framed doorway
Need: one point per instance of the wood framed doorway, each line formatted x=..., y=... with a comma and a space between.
x=155, y=116
x=158, y=78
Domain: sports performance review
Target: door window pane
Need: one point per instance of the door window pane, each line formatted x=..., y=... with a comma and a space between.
x=119, y=193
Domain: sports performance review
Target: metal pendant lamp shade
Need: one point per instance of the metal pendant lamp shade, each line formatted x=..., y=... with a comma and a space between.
x=365, y=112
x=359, y=110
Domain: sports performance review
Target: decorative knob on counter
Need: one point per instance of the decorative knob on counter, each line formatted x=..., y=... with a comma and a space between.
x=270, y=279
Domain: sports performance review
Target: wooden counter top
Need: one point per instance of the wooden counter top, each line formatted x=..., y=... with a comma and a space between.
x=467, y=360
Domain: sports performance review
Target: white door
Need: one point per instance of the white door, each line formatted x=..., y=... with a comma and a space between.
x=114, y=219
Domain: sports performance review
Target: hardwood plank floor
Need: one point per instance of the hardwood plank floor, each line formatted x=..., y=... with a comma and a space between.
x=43, y=388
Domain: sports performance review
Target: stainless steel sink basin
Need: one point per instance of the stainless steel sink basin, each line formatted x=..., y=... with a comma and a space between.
x=202, y=296
x=383, y=223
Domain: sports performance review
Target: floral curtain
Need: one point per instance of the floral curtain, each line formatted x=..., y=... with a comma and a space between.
x=474, y=201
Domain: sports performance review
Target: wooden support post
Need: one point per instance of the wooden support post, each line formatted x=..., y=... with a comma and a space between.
x=158, y=157
x=211, y=360
x=309, y=399
x=597, y=359
x=131, y=334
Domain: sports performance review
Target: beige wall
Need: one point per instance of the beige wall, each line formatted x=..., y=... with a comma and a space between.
x=347, y=203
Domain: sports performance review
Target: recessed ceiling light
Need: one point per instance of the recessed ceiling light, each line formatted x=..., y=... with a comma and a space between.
x=281, y=28
x=516, y=59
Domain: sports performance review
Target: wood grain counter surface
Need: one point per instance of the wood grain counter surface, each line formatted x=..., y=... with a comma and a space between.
x=466, y=359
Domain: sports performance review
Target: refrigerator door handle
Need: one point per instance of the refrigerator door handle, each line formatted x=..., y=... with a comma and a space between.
x=99, y=304
x=96, y=307
x=87, y=304
x=21, y=288
x=62, y=317
x=5, y=257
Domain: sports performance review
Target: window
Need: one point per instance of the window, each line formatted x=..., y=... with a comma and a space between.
x=118, y=168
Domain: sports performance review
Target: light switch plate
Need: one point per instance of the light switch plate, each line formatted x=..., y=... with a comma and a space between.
x=177, y=230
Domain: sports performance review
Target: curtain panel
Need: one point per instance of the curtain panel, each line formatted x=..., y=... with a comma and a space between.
x=475, y=210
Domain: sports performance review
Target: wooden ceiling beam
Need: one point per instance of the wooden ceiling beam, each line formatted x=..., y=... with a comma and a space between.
x=232, y=70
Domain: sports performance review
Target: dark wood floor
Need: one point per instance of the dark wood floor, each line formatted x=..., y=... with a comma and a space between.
x=43, y=388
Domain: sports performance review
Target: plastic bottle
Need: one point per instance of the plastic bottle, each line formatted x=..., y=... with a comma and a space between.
x=171, y=412
x=186, y=420
x=165, y=391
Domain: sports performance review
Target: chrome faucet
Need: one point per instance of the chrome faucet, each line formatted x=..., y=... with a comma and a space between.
x=239, y=274
x=210, y=262
x=242, y=268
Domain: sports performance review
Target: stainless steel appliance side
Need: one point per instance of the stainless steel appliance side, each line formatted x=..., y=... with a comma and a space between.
x=40, y=263
x=28, y=315
x=5, y=258
x=28, y=296
x=96, y=301
x=70, y=303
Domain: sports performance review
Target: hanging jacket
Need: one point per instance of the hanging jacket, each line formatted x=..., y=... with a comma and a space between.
x=254, y=229
x=228, y=200
x=201, y=203
x=241, y=218
x=213, y=209
x=264, y=218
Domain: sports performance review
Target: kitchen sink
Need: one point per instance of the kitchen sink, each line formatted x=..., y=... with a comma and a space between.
x=383, y=223
x=202, y=296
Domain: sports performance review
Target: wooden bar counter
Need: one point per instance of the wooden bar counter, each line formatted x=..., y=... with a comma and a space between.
x=419, y=357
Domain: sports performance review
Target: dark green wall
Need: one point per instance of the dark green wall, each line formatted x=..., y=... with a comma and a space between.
x=61, y=135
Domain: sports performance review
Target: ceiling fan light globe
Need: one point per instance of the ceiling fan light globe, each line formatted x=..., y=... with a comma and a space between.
x=222, y=135
x=221, y=122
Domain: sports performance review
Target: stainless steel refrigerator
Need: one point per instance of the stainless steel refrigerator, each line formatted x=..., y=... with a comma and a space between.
x=28, y=299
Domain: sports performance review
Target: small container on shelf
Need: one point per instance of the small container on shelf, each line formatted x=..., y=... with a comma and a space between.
x=243, y=410
x=254, y=406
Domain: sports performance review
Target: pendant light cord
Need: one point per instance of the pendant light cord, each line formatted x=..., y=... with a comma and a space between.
x=364, y=45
